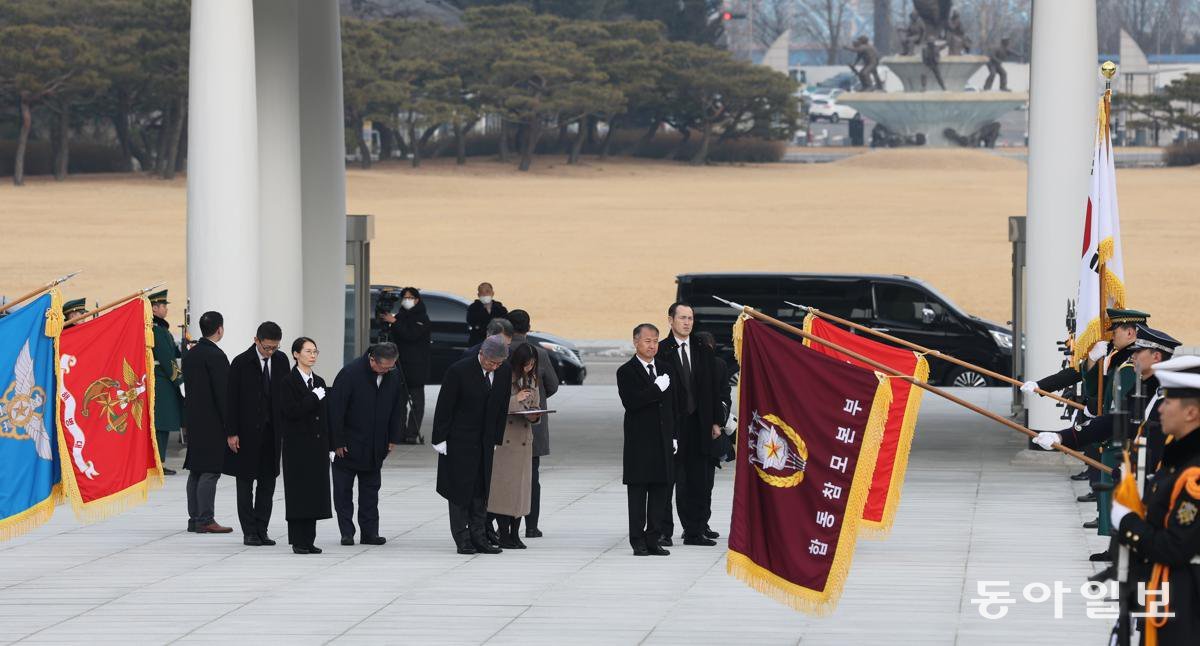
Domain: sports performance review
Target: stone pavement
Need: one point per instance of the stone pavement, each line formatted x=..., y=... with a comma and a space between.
x=969, y=513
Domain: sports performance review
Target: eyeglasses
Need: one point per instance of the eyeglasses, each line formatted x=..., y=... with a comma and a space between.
x=314, y=352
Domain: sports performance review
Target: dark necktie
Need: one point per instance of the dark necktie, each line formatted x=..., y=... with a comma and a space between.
x=266, y=377
x=650, y=369
x=310, y=387
x=687, y=378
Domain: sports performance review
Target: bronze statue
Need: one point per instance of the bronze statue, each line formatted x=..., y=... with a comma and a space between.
x=866, y=54
x=995, y=66
x=956, y=35
x=935, y=14
x=912, y=36
x=931, y=55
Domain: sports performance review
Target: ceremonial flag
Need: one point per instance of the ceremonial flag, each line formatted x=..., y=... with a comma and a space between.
x=1101, y=243
x=888, y=479
x=807, y=440
x=105, y=405
x=30, y=476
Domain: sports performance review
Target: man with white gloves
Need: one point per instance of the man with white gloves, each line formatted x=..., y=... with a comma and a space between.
x=650, y=393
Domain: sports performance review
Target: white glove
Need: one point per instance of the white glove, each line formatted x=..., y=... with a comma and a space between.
x=674, y=447
x=1047, y=440
x=1029, y=387
x=662, y=381
x=182, y=389
x=440, y=447
x=1118, y=513
x=319, y=391
x=1098, y=351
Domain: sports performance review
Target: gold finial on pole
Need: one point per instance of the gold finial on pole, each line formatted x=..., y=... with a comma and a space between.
x=1108, y=69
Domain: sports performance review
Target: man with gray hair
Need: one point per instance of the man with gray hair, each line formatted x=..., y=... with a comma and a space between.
x=503, y=327
x=468, y=422
x=367, y=408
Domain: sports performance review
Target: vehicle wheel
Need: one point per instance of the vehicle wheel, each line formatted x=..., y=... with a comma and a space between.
x=964, y=378
x=834, y=118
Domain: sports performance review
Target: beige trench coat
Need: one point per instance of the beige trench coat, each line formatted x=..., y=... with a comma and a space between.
x=512, y=464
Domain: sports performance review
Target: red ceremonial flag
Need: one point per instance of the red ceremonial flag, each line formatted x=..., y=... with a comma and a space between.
x=808, y=434
x=105, y=408
x=884, y=496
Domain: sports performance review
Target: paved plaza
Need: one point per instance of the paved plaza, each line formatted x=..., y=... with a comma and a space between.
x=971, y=511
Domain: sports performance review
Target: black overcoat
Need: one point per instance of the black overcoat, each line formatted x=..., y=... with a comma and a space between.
x=478, y=318
x=205, y=375
x=649, y=422
x=306, y=447
x=250, y=410
x=364, y=417
x=411, y=334
x=470, y=418
x=697, y=439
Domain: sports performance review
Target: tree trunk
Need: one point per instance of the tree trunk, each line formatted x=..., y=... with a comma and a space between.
x=416, y=145
x=387, y=142
x=883, y=26
x=176, y=131
x=503, y=141
x=564, y=143
x=429, y=132
x=592, y=123
x=645, y=138
x=685, y=135
x=532, y=131
x=701, y=155
x=577, y=145
x=460, y=144
x=62, y=141
x=120, y=121
x=181, y=156
x=22, y=142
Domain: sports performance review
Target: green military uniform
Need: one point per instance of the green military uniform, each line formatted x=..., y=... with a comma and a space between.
x=74, y=308
x=168, y=401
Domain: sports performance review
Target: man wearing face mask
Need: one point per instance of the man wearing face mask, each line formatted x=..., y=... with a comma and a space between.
x=482, y=311
x=409, y=329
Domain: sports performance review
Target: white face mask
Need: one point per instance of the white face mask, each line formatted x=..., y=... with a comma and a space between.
x=408, y=303
x=486, y=300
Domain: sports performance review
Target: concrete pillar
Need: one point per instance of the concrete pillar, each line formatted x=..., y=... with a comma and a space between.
x=1062, y=125
x=277, y=66
x=323, y=180
x=223, y=239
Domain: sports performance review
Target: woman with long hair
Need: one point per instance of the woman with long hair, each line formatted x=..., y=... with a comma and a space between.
x=512, y=463
x=306, y=447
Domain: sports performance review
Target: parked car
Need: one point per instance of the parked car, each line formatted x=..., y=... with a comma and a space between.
x=448, y=316
x=830, y=110
x=904, y=307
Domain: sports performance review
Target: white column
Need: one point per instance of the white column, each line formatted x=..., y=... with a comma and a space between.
x=323, y=175
x=1062, y=118
x=222, y=229
x=277, y=66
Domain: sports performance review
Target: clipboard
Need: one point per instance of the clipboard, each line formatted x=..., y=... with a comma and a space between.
x=537, y=411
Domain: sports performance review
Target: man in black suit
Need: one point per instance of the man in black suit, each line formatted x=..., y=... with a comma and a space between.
x=367, y=409
x=481, y=312
x=468, y=422
x=253, y=443
x=644, y=384
x=696, y=428
x=205, y=374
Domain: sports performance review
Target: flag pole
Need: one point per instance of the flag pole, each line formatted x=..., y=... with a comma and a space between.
x=933, y=353
x=119, y=301
x=39, y=291
x=749, y=311
x=1108, y=69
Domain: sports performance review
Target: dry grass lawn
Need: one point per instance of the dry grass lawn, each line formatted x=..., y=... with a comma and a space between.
x=592, y=249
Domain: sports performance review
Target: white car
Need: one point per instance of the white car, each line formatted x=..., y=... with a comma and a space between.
x=830, y=110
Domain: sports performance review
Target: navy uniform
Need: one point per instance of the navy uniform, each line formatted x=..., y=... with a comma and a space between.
x=73, y=308
x=1165, y=543
x=168, y=399
x=1113, y=364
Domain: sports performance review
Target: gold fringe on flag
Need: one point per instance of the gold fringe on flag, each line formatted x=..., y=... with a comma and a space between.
x=823, y=602
x=155, y=473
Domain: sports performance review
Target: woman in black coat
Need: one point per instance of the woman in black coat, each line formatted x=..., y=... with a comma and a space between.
x=409, y=328
x=306, y=447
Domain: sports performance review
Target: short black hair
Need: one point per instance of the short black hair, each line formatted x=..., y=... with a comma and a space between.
x=678, y=304
x=707, y=340
x=298, y=344
x=644, y=326
x=210, y=322
x=413, y=291
x=520, y=321
x=500, y=326
x=385, y=351
x=269, y=331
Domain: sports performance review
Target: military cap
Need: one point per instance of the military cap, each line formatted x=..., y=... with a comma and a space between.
x=1152, y=339
x=1125, y=317
x=1179, y=377
x=77, y=305
x=159, y=298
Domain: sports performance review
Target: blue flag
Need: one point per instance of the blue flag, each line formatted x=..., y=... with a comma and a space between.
x=30, y=473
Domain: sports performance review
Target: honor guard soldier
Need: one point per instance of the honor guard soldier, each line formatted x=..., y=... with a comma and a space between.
x=74, y=308
x=168, y=400
x=1165, y=539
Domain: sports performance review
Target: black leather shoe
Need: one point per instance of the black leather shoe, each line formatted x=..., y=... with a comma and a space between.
x=533, y=532
x=192, y=526
x=168, y=472
x=1087, y=497
x=466, y=548
x=698, y=540
x=372, y=540
x=1107, y=574
x=1100, y=556
x=252, y=541
x=491, y=536
x=641, y=551
x=709, y=533
x=1092, y=524
x=347, y=540
x=666, y=541
x=486, y=548
x=1081, y=476
x=265, y=541
x=657, y=550
x=313, y=549
x=300, y=549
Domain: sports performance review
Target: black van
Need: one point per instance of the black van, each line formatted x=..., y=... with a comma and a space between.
x=904, y=307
